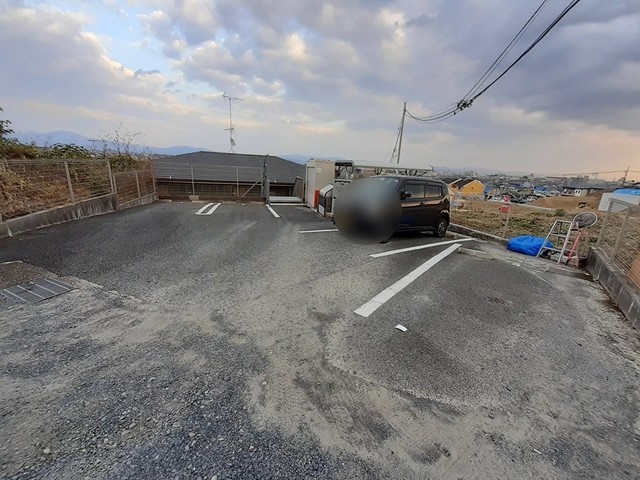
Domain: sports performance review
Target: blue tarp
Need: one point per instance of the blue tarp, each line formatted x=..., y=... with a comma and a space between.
x=527, y=244
x=628, y=191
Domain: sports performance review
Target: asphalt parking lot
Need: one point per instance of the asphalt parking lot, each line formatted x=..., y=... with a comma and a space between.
x=237, y=341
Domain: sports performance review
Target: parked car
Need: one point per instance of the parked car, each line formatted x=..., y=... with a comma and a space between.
x=424, y=202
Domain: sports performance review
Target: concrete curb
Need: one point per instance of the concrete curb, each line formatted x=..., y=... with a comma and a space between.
x=623, y=293
x=479, y=254
x=477, y=233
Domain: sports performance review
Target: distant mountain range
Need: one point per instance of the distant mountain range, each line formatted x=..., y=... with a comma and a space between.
x=64, y=136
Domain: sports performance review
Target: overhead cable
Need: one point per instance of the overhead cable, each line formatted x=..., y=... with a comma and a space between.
x=473, y=93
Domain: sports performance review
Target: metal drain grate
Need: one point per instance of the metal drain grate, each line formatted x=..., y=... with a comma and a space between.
x=35, y=291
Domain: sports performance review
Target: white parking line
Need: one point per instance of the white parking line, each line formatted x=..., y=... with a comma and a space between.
x=202, y=210
x=273, y=211
x=199, y=212
x=319, y=231
x=388, y=293
x=419, y=247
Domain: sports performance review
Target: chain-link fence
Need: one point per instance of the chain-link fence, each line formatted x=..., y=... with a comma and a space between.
x=133, y=185
x=208, y=182
x=28, y=186
x=508, y=220
x=619, y=238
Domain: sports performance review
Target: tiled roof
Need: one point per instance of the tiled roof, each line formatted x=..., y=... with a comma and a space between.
x=227, y=167
x=450, y=180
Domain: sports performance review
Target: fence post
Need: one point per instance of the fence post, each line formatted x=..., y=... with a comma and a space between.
x=193, y=183
x=115, y=185
x=506, y=223
x=113, y=189
x=620, y=234
x=237, y=184
x=604, y=224
x=138, y=184
x=66, y=171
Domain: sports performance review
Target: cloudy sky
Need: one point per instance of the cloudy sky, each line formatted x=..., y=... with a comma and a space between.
x=328, y=77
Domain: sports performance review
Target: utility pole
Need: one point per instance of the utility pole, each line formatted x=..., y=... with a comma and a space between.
x=398, y=146
x=232, y=142
x=404, y=113
x=626, y=173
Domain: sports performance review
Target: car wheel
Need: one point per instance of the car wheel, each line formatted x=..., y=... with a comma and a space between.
x=441, y=228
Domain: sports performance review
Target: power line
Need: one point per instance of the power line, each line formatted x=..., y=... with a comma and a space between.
x=537, y=40
x=468, y=100
x=505, y=52
x=596, y=173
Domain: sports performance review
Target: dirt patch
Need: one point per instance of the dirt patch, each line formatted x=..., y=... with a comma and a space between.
x=15, y=273
x=572, y=204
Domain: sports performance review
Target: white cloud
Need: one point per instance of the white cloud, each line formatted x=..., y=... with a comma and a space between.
x=330, y=78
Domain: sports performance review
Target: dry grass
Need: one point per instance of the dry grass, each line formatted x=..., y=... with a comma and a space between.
x=27, y=187
x=570, y=203
x=523, y=220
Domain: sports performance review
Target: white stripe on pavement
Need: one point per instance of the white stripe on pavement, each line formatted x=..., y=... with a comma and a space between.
x=199, y=212
x=213, y=209
x=388, y=293
x=418, y=247
x=319, y=231
x=273, y=211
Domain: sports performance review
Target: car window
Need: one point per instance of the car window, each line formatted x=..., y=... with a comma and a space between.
x=415, y=189
x=389, y=180
x=434, y=191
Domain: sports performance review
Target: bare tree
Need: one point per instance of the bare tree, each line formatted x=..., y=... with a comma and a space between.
x=120, y=142
x=5, y=128
x=120, y=146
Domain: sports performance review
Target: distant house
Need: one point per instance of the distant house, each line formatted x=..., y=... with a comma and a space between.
x=466, y=187
x=451, y=180
x=581, y=189
x=548, y=190
x=226, y=176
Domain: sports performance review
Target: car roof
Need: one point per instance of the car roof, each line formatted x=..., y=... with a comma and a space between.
x=410, y=177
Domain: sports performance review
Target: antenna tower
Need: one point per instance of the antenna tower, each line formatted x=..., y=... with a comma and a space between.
x=232, y=142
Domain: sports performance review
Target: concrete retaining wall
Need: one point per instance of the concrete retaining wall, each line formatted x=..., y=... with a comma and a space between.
x=66, y=213
x=53, y=216
x=138, y=202
x=624, y=293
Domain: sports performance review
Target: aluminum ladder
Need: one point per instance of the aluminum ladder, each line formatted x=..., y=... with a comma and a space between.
x=563, y=236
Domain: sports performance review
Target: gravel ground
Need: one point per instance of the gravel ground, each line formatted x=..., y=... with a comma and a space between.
x=128, y=391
